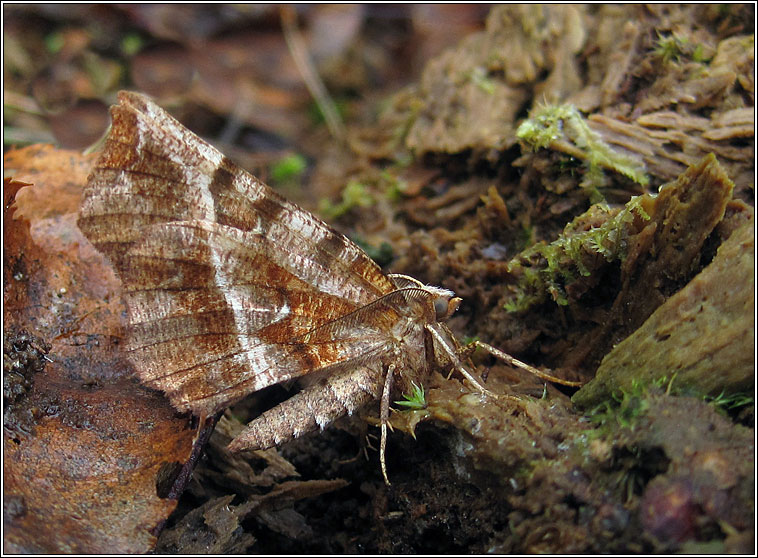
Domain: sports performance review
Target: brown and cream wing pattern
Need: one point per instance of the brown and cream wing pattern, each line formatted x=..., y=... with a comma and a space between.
x=223, y=277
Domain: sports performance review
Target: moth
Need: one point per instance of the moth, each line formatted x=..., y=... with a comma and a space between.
x=229, y=288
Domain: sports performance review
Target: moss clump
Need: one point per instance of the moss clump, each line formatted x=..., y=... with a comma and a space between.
x=674, y=47
x=355, y=194
x=562, y=127
x=289, y=169
x=546, y=269
x=382, y=254
x=625, y=406
x=731, y=402
x=416, y=399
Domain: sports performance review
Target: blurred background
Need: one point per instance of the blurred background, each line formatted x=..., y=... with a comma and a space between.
x=227, y=71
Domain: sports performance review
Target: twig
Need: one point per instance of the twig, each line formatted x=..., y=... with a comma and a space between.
x=313, y=82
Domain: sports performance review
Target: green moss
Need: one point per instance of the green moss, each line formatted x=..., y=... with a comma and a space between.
x=399, y=114
x=553, y=123
x=699, y=55
x=355, y=194
x=365, y=190
x=675, y=48
x=730, y=402
x=54, y=42
x=289, y=168
x=669, y=48
x=316, y=112
x=525, y=237
x=545, y=269
x=468, y=339
x=415, y=400
x=625, y=406
x=131, y=44
x=393, y=187
x=479, y=77
x=382, y=255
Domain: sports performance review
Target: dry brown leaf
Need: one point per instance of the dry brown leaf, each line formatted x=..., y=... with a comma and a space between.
x=87, y=451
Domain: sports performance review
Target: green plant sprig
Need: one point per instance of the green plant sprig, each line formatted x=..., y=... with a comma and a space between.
x=415, y=400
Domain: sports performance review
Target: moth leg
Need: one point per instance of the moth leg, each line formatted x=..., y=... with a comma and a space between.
x=361, y=451
x=384, y=415
x=202, y=420
x=363, y=446
x=316, y=406
x=497, y=353
x=456, y=361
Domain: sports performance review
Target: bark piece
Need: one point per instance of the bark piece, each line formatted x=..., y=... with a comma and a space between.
x=704, y=334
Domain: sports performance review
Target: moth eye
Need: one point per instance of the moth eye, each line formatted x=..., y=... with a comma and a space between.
x=441, y=308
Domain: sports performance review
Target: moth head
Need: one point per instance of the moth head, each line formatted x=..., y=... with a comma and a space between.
x=445, y=302
x=446, y=307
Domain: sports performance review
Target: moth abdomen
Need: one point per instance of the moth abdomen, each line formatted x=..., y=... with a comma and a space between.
x=316, y=406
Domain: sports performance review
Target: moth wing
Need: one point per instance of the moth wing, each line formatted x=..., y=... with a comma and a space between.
x=153, y=170
x=220, y=273
x=213, y=317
